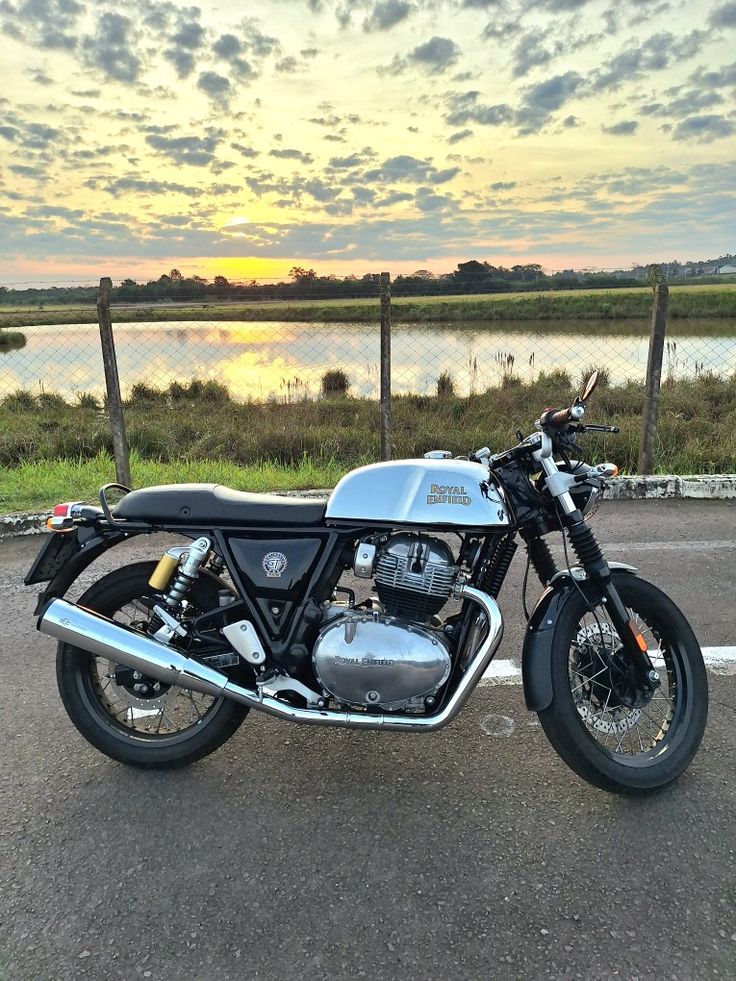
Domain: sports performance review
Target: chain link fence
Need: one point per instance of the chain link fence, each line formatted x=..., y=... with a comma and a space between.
x=288, y=360
x=298, y=350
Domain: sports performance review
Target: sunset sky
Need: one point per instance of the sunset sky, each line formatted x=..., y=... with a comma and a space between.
x=359, y=136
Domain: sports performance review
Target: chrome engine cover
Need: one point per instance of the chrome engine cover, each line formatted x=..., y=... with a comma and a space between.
x=380, y=661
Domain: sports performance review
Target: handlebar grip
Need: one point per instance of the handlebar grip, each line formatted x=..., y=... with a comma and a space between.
x=560, y=417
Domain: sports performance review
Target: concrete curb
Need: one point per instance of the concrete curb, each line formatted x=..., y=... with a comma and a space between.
x=703, y=487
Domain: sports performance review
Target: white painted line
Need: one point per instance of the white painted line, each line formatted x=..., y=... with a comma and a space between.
x=718, y=660
x=698, y=546
x=502, y=673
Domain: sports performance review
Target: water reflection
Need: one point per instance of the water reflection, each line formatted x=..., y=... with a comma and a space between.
x=287, y=360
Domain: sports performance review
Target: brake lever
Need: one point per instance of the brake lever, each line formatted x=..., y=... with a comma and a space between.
x=599, y=429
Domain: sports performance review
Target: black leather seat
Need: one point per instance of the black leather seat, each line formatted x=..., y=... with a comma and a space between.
x=214, y=504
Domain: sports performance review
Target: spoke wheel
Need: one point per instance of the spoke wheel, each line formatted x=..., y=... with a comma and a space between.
x=127, y=715
x=598, y=723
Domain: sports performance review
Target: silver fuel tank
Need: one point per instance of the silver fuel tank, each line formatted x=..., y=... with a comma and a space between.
x=450, y=493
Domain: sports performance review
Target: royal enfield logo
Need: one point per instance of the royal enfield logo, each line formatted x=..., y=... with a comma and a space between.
x=448, y=494
x=274, y=564
x=369, y=662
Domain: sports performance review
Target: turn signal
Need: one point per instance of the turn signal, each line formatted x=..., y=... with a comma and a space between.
x=62, y=518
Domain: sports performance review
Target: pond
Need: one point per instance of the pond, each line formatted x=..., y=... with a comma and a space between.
x=263, y=360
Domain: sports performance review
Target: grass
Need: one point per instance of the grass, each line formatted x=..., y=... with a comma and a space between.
x=11, y=340
x=38, y=485
x=614, y=304
x=51, y=450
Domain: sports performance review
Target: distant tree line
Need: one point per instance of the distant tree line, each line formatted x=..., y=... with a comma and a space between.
x=472, y=276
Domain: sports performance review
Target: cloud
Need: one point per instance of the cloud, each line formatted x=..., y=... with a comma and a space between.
x=287, y=66
x=464, y=108
x=715, y=78
x=46, y=24
x=427, y=200
x=405, y=168
x=39, y=76
x=433, y=57
x=496, y=30
x=655, y=54
x=503, y=186
x=227, y=47
x=140, y=186
x=724, y=16
x=436, y=55
x=462, y=134
x=31, y=137
x=530, y=52
x=627, y=127
x=231, y=49
x=111, y=48
x=54, y=211
x=245, y=151
x=189, y=35
x=544, y=98
x=291, y=154
x=193, y=151
x=704, y=129
x=385, y=14
x=216, y=86
x=346, y=163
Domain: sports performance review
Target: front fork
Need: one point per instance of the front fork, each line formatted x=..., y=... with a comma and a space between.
x=592, y=560
x=597, y=571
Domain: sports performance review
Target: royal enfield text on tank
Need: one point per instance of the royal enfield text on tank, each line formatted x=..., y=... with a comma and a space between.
x=159, y=662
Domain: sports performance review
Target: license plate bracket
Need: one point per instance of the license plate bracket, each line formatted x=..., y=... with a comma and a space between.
x=55, y=552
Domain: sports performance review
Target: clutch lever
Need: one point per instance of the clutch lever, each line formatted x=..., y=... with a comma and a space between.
x=599, y=429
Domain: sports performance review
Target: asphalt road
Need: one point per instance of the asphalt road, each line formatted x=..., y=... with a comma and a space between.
x=307, y=853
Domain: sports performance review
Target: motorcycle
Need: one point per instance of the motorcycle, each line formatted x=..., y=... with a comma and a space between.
x=159, y=662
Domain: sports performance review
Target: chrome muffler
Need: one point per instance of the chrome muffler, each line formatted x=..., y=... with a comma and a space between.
x=97, y=634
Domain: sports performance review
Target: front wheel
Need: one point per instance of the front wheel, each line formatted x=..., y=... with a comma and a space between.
x=595, y=724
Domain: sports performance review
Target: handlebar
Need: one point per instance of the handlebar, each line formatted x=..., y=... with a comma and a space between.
x=561, y=417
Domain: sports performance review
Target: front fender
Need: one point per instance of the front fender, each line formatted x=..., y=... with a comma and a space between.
x=536, y=656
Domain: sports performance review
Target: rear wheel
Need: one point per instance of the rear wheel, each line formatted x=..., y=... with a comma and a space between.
x=135, y=719
x=595, y=721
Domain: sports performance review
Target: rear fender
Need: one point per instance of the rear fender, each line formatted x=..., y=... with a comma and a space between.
x=60, y=563
x=536, y=657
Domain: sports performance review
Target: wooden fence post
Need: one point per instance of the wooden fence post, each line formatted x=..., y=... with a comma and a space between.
x=654, y=378
x=385, y=366
x=112, y=382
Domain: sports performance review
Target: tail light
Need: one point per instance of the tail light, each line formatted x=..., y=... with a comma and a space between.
x=63, y=515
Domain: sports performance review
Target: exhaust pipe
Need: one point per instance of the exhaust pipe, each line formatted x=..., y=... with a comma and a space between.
x=95, y=633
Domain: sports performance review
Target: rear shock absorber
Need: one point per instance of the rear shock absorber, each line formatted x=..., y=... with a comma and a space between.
x=187, y=561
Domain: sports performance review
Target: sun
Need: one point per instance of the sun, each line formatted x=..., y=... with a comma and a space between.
x=237, y=220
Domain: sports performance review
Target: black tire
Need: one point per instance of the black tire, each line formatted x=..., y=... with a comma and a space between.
x=89, y=705
x=598, y=738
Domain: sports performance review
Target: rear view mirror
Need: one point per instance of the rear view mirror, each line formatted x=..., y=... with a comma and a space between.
x=589, y=387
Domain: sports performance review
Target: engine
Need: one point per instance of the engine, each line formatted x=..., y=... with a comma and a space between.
x=414, y=576
x=391, y=659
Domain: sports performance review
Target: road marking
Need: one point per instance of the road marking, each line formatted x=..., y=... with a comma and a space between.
x=718, y=660
x=668, y=546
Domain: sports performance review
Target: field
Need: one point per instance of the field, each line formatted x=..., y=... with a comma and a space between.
x=617, y=304
x=50, y=449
